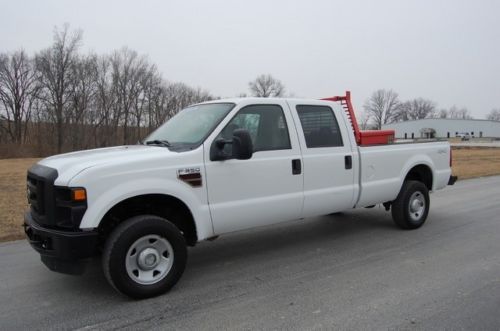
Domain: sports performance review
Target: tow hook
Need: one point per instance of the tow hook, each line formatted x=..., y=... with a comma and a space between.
x=387, y=206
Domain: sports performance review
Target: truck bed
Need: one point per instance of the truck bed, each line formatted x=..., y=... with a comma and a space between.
x=383, y=168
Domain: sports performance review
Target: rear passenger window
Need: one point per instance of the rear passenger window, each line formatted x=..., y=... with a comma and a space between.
x=320, y=126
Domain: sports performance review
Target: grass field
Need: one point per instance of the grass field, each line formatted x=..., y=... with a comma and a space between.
x=13, y=196
x=470, y=162
x=467, y=163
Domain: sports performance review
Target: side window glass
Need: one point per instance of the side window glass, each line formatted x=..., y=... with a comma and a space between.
x=243, y=120
x=320, y=126
x=266, y=125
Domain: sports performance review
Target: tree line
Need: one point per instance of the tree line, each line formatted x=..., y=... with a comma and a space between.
x=385, y=107
x=61, y=100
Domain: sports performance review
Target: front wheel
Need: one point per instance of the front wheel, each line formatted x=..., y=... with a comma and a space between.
x=144, y=256
x=411, y=207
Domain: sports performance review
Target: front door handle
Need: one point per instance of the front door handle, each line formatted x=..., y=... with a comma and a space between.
x=296, y=167
x=348, y=162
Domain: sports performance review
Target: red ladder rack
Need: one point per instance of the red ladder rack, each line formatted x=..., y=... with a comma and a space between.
x=366, y=137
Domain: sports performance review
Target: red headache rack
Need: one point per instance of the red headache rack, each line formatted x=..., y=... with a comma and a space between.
x=365, y=137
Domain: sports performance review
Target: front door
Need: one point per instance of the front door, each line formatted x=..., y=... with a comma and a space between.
x=264, y=189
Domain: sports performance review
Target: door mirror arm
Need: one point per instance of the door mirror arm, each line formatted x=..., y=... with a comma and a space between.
x=220, y=143
x=217, y=150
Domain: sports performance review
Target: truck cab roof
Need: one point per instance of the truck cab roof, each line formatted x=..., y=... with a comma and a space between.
x=265, y=100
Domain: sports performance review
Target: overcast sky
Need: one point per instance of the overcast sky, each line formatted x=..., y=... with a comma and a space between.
x=447, y=51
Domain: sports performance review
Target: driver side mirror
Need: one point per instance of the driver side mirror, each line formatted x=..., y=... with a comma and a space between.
x=241, y=143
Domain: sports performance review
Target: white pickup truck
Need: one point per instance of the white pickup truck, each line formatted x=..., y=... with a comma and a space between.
x=215, y=168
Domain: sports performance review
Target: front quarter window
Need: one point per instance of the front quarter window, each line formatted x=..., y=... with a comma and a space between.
x=190, y=127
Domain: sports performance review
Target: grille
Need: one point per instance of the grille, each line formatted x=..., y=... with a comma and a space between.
x=51, y=205
x=35, y=195
x=40, y=193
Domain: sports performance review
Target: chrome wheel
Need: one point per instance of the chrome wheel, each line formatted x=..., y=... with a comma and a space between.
x=149, y=259
x=416, y=206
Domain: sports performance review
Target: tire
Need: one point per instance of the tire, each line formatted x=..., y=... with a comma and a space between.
x=411, y=207
x=144, y=256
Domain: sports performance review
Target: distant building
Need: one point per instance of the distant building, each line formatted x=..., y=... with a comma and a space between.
x=445, y=128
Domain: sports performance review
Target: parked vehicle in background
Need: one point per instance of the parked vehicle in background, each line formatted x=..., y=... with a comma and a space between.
x=215, y=168
x=465, y=136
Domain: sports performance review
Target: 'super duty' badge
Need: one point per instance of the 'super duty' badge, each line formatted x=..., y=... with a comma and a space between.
x=191, y=176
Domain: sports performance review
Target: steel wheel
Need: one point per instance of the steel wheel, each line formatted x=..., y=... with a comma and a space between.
x=149, y=259
x=144, y=256
x=416, y=206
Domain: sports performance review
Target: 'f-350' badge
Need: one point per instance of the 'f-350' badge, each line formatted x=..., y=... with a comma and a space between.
x=191, y=176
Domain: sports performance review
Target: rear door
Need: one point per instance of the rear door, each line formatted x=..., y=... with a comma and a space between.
x=266, y=188
x=329, y=178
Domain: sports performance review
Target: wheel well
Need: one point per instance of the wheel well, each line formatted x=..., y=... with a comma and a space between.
x=421, y=173
x=161, y=205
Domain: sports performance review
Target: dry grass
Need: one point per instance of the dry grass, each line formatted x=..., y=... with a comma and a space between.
x=13, y=197
x=470, y=162
x=467, y=163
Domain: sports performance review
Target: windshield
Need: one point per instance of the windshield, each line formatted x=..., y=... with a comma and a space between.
x=189, y=128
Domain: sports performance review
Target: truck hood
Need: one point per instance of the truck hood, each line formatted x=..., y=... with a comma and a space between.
x=71, y=164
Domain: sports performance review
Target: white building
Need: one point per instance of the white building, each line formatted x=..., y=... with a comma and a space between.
x=445, y=128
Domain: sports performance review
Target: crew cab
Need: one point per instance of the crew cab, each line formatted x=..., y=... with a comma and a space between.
x=215, y=168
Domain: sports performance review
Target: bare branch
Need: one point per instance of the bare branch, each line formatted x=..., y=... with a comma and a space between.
x=266, y=86
x=382, y=107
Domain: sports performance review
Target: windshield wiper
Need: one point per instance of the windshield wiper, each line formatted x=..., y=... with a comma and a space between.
x=163, y=143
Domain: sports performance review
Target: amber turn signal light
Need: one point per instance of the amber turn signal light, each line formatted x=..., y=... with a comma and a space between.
x=78, y=194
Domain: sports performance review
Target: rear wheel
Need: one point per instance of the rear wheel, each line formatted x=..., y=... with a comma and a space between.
x=411, y=207
x=144, y=256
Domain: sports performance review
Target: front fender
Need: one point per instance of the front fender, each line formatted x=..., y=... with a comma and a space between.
x=100, y=201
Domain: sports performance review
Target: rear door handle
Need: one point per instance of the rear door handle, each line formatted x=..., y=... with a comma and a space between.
x=296, y=167
x=348, y=162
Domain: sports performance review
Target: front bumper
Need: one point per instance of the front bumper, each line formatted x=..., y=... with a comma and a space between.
x=61, y=251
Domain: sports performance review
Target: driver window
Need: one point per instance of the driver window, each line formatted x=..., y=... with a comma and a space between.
x=266, y=125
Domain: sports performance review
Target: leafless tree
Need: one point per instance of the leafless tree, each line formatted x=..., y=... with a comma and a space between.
x=82, y=99
x=151, y=100
x=18, y=91
x=128, y=70
x=494, y=115
x=72, y=101
x=55, y=65
x=104, y=100
x=266, y=86
x=415, y=109
x=364, y=121
x=459, y=113
x=443, y=113
x=382, y=107
x=180, y=95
